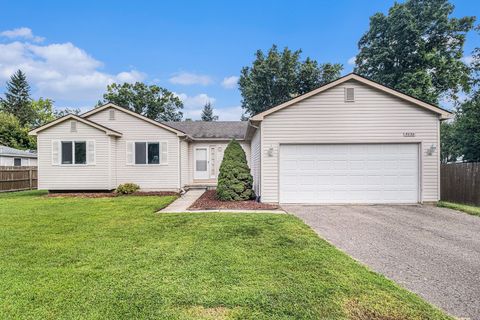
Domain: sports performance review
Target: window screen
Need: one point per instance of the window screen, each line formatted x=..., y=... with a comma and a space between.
x=140, y=152
x=80, y=152
x=17, y=162
x=67, y=154
x=153, y=153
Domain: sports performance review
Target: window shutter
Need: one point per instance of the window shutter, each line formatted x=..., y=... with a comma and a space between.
x=129, y=152
x=163, y=153
x=90, y=152
x=73, y=126
x=55, y=152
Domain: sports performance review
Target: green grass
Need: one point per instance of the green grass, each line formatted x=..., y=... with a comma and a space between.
x=114, y=258
x=473, y=210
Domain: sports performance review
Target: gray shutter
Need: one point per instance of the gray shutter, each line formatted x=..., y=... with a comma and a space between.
x=130, y=152
x=55, y=152
x=91, y=152
x=163, y=152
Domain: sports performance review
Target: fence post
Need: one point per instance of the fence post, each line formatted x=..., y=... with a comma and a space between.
x=30, y=177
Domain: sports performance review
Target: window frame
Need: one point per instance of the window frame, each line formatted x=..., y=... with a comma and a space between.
x=147, y=142
x=15, y=164
x=73, y=164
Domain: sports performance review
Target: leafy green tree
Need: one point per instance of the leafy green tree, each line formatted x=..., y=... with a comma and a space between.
x=467, y=128
x=13, y=135
x=207, y=113
x=43, y=110
x=234, y=180
x=151, y=101
x=276, y=77
x=450, y=148
x=417, y=48
x=17, y=99
x=63, y=112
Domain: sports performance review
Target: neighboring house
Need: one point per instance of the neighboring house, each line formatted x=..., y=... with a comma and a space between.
x=349, y=141
x=15, y=157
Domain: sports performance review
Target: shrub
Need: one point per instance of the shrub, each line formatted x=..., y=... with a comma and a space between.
x=127, y=188
x=234, y=180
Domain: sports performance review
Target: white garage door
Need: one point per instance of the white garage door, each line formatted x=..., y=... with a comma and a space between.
x=349, y=173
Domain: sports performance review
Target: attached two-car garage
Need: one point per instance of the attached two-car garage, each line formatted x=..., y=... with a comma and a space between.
x=349, y=173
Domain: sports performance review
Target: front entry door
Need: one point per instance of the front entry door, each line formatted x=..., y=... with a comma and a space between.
x=201, y=163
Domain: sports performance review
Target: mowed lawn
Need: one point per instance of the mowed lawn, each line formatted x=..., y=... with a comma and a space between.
x=115, y=258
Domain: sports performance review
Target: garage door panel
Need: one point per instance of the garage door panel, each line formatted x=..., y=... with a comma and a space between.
x=357, y=173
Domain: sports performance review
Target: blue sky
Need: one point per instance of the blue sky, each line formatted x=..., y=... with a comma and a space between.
x=71, y=51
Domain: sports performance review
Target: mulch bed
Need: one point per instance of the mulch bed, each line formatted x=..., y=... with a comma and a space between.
x=107, y=194
x=209, y=201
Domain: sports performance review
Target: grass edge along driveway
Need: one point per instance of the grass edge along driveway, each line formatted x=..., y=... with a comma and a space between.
x=114, y=258
x=470, y=209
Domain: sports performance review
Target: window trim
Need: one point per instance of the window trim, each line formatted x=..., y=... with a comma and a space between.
x=73, y=164
x=160, y=163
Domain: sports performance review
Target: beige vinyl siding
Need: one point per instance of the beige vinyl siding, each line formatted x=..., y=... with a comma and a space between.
x=73, y=177
x=255, y=161
x=373, y=117
x=148, y=177
x=220, y=147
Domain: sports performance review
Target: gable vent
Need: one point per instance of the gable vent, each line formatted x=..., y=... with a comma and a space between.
x=111, y=114
x=73, y=126
x=349, y=94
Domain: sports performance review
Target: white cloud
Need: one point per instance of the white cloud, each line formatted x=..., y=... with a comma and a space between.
x=60, y=70
x=468, y=59
x=23, y=33
x=229, y=113
x=187, y=78
x=193, y=105
x=230, y=82
x=351, y=61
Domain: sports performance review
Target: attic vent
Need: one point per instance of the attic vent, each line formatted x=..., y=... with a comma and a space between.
x=349, y=94
x=111, y=114
x=73, y=126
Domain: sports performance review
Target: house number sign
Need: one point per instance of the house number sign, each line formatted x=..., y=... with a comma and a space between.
x=409, y=134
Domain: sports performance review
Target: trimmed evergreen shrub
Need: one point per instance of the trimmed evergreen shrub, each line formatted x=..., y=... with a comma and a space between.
x=127, y=188
x=234, y=180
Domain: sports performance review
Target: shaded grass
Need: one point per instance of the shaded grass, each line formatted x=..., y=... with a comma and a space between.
x=473, y=210
x=113, y=258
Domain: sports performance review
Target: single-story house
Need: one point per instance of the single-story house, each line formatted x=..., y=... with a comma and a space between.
x=15, y=157
x=350, y=141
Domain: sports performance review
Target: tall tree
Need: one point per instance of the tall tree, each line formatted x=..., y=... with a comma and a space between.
x=467, y=128
x=450, y=148
x=207, y=113
x=417, y=48
x=151, y=101
x=17, y=99
x=276, y=77
x=13, y=135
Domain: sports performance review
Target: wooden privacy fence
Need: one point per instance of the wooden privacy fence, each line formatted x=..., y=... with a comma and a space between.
x=460, y=182
x=18, y=178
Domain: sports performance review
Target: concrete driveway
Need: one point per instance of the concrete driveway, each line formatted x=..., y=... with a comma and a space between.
x=432, y=251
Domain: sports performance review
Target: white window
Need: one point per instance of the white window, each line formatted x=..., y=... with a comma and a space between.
x=73, y=152
x=147, y=153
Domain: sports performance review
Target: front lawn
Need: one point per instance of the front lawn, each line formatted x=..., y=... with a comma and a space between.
x=473, y=210
x=114, y=258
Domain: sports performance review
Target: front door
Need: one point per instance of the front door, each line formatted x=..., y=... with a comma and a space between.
x=201, y=163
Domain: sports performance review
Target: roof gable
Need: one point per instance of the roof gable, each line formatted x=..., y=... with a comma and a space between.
x=444, y=114
x=134, y=114
x=90, y=123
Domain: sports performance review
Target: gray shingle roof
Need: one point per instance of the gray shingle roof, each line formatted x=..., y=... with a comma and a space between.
x=211, y=130
x=7, y=151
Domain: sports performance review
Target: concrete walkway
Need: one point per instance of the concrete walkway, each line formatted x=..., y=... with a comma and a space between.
x=184, y=202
